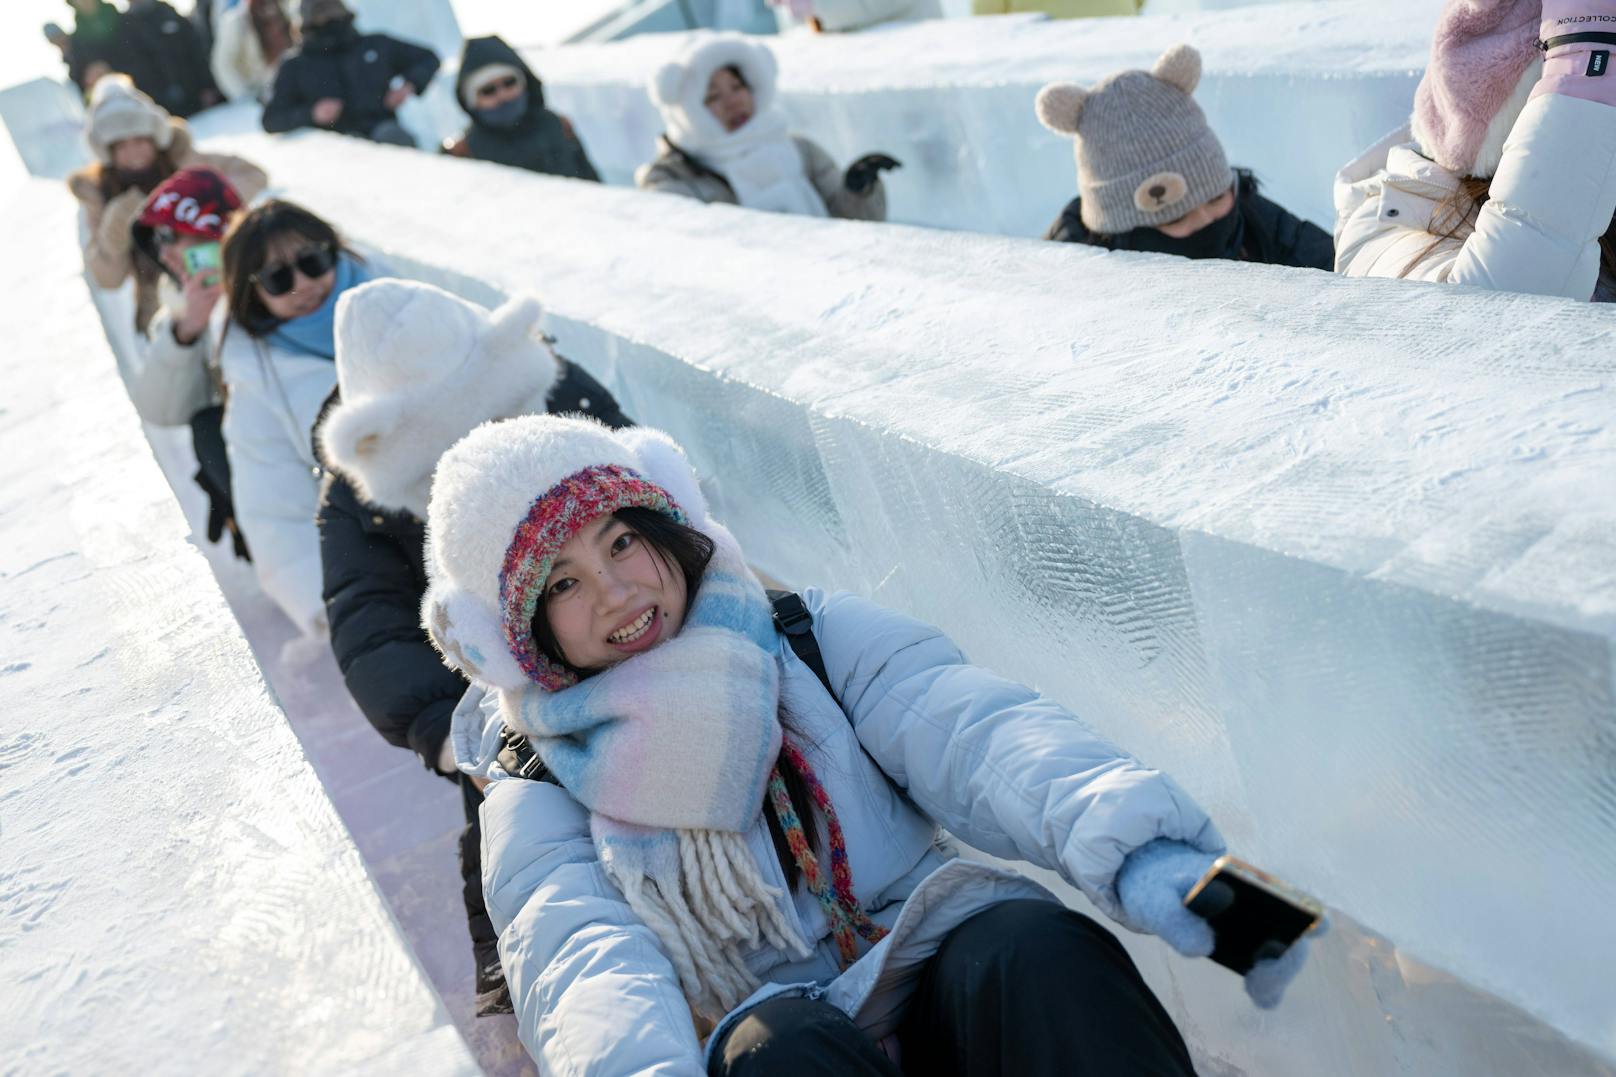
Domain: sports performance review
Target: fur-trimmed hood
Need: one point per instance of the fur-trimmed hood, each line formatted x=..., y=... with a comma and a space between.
x=680, y=85
x=418, y=369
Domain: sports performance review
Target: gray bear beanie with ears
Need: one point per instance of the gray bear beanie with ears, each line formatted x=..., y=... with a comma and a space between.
x=1145, y=155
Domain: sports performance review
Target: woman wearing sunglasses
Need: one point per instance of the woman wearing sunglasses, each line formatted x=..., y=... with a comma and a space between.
x=509, y=123
x=284, y=270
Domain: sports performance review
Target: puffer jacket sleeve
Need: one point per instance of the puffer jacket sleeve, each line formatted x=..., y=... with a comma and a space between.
x=288, y=107
x=373, y=605
x=1296, y=242
x=168, y=381
x=275, y=493
x=664, y=175
x=827, y=179
x=415, y=63
x=594, y=994
x=1550, y=201
x=1001, y=767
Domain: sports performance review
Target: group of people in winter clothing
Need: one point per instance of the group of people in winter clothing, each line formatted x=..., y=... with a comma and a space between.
x=709, y=827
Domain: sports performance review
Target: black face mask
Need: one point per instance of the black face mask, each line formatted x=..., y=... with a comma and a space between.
x=1222, y=238
x=330, y=36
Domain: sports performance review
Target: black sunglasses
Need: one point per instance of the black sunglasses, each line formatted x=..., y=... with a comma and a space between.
x=313, y=263
x=489, y=89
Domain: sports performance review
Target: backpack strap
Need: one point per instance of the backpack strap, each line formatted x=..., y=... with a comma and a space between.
x=793, y=620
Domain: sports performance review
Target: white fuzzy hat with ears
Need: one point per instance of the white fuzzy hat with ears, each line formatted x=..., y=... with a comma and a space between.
x=679, y=87
x=417, y=369
x=118, y=111
x=504, y=500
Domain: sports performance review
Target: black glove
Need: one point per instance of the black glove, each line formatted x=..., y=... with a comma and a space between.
x=862, y=173
x=221, y=517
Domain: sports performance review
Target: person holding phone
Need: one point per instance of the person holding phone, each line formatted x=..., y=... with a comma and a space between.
x=734, y=834
x=173, y=377
x=284, y=270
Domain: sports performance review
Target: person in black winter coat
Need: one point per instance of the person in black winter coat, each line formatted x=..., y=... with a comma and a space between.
x=1153, y=177
x=162, y=53
x=341, y=80
x=1252, y=229
x=418, y=368
x=509, y=123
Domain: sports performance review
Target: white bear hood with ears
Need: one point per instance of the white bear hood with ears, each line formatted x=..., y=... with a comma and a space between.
x=482, y=492
x=418, y=369
x=679, y=87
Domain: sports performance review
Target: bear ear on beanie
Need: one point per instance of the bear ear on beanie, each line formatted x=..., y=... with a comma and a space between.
x=1179, y=66
x=1060, y=106
x=469, y=637
x=513, y=323
x=664, y=463
x=667, y=82
x=351, y=435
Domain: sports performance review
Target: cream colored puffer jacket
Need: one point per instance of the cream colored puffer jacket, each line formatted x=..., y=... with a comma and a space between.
x=1551, y=199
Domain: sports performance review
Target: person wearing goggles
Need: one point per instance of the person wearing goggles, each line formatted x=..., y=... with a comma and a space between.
x=510, y=124
x=283, y=270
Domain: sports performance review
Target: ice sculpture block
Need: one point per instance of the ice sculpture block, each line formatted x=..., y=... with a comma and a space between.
x=175, y=884
x=1340, y=555
x=1294, y=91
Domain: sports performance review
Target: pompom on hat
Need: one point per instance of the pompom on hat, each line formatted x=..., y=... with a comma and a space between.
x=1484, y=63
x=118, y=111
x=505, y=499
x=679, y=87
x=1145, y=154
x=418, y=368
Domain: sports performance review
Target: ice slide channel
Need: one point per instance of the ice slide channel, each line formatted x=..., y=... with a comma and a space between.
x=1338, y=554
x=1294, y=90
x=177, y=890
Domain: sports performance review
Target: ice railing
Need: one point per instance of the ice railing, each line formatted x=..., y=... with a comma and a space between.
x=1294, y=91
x=176, y=883
x=1337, y=554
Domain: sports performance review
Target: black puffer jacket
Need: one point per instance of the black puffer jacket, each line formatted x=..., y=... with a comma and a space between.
x=161, y=52
x=1269, y=233
x=374, y=577
x=358, y=72
x=541, y=142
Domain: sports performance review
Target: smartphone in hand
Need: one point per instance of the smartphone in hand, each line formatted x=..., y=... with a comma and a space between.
x=1253, y=915
x=202, y=258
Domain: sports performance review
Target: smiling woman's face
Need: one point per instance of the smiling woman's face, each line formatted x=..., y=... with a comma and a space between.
x=611, y=595
x=306, y=294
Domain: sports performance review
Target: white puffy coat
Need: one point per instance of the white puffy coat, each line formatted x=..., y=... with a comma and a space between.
x=168, y=381
x=921, y=739
x=273, y=397
x=1550, y=201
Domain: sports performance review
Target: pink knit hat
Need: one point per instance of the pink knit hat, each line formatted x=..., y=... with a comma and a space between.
x=1484, y=62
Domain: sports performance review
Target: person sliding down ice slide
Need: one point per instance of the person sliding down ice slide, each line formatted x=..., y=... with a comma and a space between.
x=1506, y=175
x=726, y=141
x=723, y=835
x=341, y=80
x=1153, y=175
x=284, y=270
x=417, y=369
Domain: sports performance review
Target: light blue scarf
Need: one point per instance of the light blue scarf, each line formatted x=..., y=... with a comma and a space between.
x=315, y=334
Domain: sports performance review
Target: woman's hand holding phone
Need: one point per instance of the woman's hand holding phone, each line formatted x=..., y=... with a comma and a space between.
x=201, y=291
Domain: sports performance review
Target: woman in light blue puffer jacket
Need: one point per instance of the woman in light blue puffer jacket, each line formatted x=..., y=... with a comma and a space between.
x=725, y=851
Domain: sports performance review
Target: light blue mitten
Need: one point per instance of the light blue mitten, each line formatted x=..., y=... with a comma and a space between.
x=1151, y=887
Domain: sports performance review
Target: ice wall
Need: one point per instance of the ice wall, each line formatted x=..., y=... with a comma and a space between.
x=176, y=890
x=1338, y=554
x=1294, y=91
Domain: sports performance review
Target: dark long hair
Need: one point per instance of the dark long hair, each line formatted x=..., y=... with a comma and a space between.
x=246, y=247
x=690, y=551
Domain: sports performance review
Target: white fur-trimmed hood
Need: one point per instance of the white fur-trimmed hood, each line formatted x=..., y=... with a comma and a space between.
x=418, y=369
x=680, y=85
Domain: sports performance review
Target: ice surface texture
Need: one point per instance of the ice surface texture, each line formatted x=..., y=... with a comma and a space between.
x=1337, y=554
x=176, y=891
x=1294, y=91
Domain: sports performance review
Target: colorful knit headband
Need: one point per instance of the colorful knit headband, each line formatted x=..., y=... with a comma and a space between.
x=557, y=515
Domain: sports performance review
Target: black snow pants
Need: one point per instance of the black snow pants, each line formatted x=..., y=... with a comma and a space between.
x=1024, y=989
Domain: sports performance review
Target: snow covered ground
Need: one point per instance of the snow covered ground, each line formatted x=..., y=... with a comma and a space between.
x=1335, y=553
x=176, y=889
x=1294, y=91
